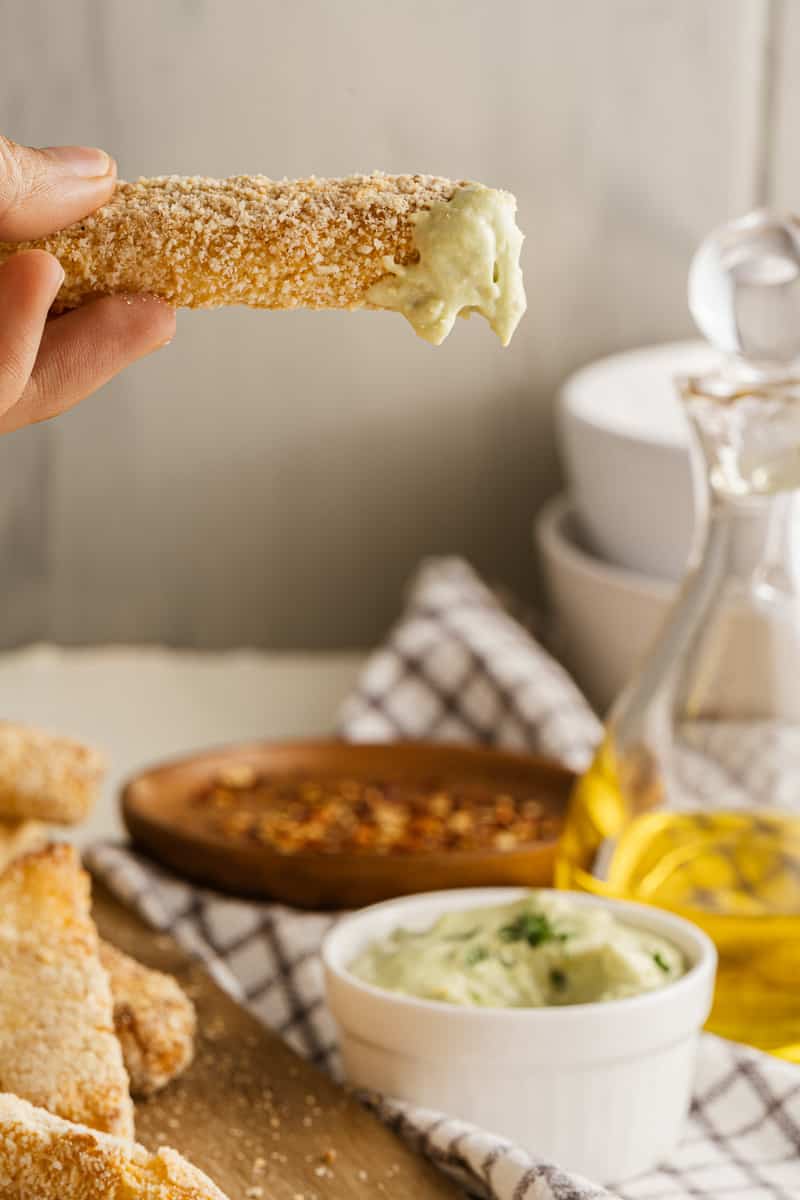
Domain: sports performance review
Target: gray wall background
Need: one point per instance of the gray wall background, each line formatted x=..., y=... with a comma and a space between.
x=272, y=479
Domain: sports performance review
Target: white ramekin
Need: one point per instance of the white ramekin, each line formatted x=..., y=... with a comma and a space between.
x=600, y=1089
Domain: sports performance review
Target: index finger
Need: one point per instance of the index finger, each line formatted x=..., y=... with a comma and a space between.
x=42, y=191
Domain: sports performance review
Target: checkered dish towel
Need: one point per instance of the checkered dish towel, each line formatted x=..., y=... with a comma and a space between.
x=458, y=666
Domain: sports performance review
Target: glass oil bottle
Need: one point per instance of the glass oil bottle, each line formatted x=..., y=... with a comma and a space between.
x=693, y=800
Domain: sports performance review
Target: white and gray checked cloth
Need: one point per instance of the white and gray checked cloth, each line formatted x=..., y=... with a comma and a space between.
x=458, y=666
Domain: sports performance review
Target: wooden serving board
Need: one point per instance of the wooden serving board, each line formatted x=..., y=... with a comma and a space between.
x=260, y=1120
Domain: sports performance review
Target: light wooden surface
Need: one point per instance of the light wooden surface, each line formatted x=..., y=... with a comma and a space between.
x=273, y=479
x=259, y=1119
x=140, y=705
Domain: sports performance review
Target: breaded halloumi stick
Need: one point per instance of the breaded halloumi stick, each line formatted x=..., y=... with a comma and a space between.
x=154, y=1020
x=44, y=777
x=427, y=247
x=58, y=1048
x=18, y=838
x=43, y=1157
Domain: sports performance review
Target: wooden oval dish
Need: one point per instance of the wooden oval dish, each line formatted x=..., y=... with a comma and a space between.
x=158, y=810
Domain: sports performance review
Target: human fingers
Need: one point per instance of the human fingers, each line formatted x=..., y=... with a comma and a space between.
x=42, y=191
x=28, y=285
x=82, y=350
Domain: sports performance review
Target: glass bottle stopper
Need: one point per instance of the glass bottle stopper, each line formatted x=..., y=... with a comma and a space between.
x=744, y=290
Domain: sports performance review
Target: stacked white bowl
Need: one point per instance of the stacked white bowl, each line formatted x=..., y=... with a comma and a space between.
x=614, y=546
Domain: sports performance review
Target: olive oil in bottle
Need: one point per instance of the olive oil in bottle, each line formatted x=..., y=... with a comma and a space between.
x=734, y=872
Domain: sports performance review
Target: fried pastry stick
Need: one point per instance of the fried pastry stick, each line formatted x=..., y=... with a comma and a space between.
x=58, y=1047
x=427, y=247
x=154, y=1020
x=44, y=777
x=47, y=1158
x=18, y=838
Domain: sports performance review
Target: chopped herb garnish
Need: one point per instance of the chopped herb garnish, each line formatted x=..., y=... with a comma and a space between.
x=558, y=979
x=475, y=954
x=661, y=962
x=533, y=928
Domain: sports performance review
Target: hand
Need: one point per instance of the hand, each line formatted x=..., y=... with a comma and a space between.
x=47, y=366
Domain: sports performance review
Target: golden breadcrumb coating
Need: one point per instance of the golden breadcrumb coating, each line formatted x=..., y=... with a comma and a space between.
x=18, y=838
x=154, y=1019
x=200, y=243
x=46, y=778
x=45, y=1158
x=58, y=1048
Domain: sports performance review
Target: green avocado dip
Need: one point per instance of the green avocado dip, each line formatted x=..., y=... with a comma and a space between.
x=542, y=950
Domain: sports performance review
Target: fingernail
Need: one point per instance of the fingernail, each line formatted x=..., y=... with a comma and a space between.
x=87, y=162
x=59, y=276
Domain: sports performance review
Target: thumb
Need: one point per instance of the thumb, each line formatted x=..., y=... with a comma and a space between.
x=42, y=191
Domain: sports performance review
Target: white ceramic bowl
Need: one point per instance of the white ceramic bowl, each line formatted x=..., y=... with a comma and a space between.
x=600, y=1089
x=604, y=617
x=625, y=445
